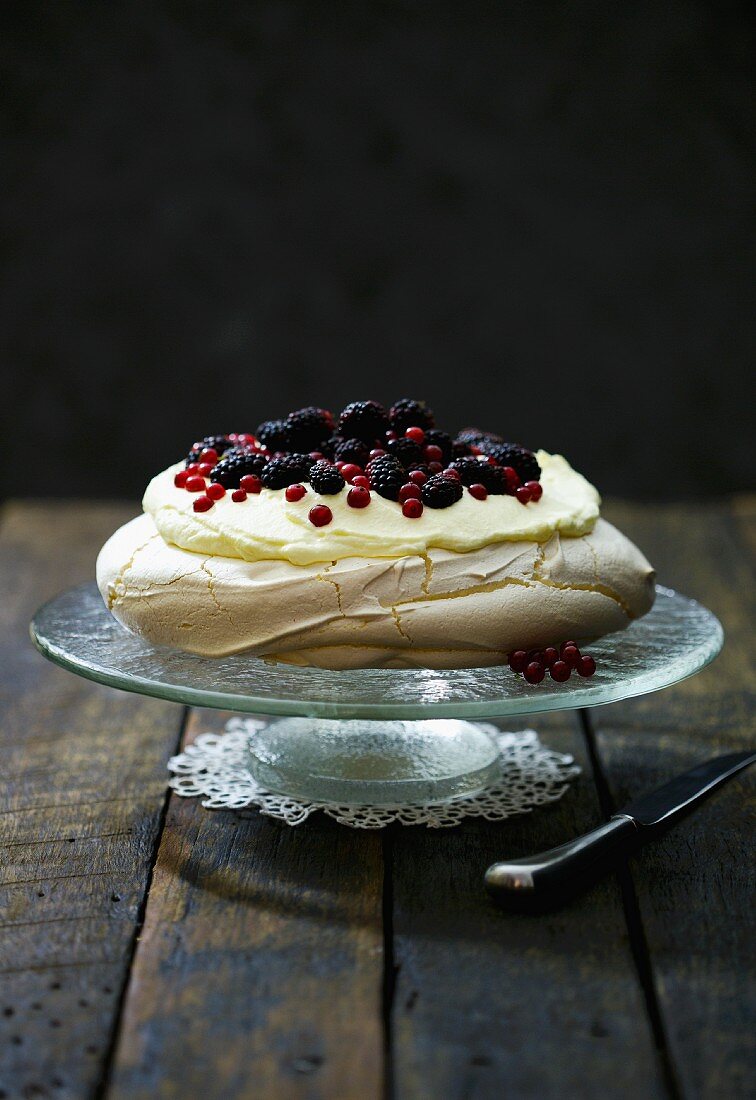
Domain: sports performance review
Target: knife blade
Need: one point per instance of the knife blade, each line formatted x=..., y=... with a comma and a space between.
x=546, y=878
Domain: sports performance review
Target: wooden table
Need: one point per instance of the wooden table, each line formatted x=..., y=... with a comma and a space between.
x=150, y=948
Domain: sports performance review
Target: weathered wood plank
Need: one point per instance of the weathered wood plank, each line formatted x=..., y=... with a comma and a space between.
x=81, y=792
x=492, y=1004
x=260, y=966
x=695, y=887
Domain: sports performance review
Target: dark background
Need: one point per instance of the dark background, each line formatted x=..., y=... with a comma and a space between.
x=538, y=217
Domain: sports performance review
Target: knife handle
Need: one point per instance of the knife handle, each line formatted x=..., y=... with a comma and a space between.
x=550, y=876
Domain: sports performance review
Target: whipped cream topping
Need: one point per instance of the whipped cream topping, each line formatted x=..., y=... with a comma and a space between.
x=268, y=527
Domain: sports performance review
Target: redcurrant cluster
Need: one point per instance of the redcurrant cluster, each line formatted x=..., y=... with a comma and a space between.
x=559, y=662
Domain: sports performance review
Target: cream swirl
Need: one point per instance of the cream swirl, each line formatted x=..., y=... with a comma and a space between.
x=268, y=527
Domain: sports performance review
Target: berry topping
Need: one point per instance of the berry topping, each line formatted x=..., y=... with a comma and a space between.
x=349, y=471
x=231, y=469
x=195, y=484
x=274, y=435
x=405, y=450
x=307, y=429
x=202, y=504
x=418, y=477
x=352, y=450
x=358, y=497
x=436, y=438
x=286, y=470
x=474, y=472
x=535, y=488
x=205, y=469
x=453, y=474
x=478, y=491
x=550, y=655
x=295, y=493
x=326, y=479
x=361, y=480
x=209, y=454
x=560, y=671
x=412, y=508
x=181, y=479
x=238, y=495
x=406, y=413
x=410, y=491
x=519, y=458
x=417, y=435
x=441, y=492
x=320, y=516
x=432, y=453
x=365, y=420
x=586, y=666
x=250, y=483
x=534, y=672
x=523, y=495
x=215, y=491
x=377, y=452
x=386, y=476
x=216, y=443
x=475, y=436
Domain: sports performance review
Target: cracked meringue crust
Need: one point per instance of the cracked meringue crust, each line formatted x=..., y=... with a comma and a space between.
x=434, y=608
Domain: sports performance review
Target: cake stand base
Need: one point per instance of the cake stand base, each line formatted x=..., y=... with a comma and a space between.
x=380, y=763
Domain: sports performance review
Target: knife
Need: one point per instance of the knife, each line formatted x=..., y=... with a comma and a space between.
x=550, y=877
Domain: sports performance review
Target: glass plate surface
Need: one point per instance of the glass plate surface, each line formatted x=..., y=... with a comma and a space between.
x=675, y=640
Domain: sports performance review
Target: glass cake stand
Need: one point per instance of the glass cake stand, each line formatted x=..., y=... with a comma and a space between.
x=374, y=736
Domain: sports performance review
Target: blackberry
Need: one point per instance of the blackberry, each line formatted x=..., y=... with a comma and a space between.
x=287, y=470
x=235, y=465
x=219, y=443
x=441, y=492
x=308, y=428
x=519, y=458
x=352, y=450
x=406, y=413
x=405, y=451
x=365, y=420
x=328, y=448
x=326, y=479
x=460, y=450
x=274, y=434
x=476, y=437
x=473, y=472
x=387, y=475
x=436, y=438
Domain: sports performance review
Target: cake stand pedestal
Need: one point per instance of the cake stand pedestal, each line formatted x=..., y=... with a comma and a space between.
x=377, y=737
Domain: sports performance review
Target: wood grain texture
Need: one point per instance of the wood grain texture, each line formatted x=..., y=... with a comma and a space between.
x=260, y=966
x=82, y=785
x=695, y=887
x=492, y=1004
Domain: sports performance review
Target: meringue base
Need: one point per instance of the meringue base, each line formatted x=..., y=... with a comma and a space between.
x=437, y=610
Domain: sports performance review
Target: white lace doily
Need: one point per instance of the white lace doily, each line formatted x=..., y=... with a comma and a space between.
x=213, y=769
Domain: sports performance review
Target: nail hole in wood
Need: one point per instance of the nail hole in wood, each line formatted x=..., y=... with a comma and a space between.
x=7, y=1012
x=115, y=897
x=54, y=1023
x=16, y=1040
x=308, y=1064
x=54, y=985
